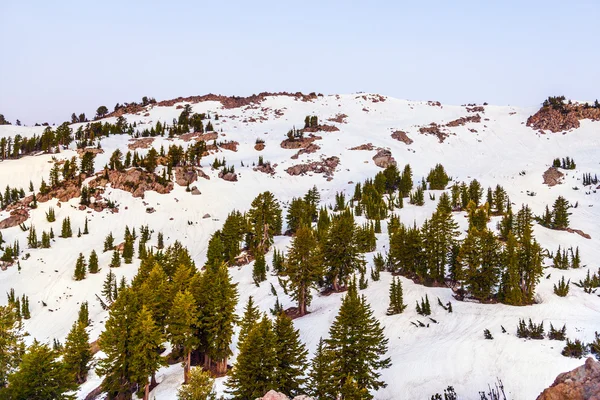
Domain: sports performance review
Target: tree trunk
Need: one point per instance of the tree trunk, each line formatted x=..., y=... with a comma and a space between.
x=222, y=367
x=186, y=369
x=207, y=362
x=302, y=302
x=147, y=392
x=153, y=380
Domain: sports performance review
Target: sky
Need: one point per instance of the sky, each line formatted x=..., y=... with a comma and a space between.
x=59, y=57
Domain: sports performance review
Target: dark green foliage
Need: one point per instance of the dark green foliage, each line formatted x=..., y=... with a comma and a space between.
x=357, y=345
x=80, y=268
x=109, y=242
x=438, y=178
x=40, y=376
x=595, y=346
x=265, y=222
x=93, y=263
x=77, y=354
x=291, y=357
x=278, y=261
x=50, y=215
x=320, y=374
x=575, y=349
x=417, y=198
x=249, y=319
x=66, y=231
x=397, y=305
x=115, y=261
x=562, y=288
x=83, y=316
x=560, y=218
x=199, y=387
x=530, y=330
x=424, y=308
x=557, y=334
x=365, y=238
x=487, y=334
x=259, y=270
x=590, y=283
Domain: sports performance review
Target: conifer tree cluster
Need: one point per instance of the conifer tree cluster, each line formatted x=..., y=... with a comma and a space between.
x=558, y=218
x=565, y=163
x=567, y=258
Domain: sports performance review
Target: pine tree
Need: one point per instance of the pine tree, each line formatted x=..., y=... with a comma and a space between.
x=397, y=305
x=259, y=270
x=160, y=243
x=77, y=354
x=145, y=357
x=320, y=374
x=86, y=230
x=291, y=357
x=510, y=289
x=32, y=241
x=249, y=319
x=217, y=300
x=66, y=231
x=80, y=268
x=340, y=251
x=303, y=267
x=109, y=287
x=40, y=376
x=357, y=345
x=560, y=214
x=93, y=263
x=265, y=221
x=128, y=250
x=254, y=373
x=199, y=387
x=109, y=242
x=11, y=344
x=157, y=295
x=115, y=261
x=84, y=314
x=182, y=320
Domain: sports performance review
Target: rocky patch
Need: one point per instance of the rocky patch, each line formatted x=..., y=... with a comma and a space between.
x=552, y=176
x=366, y=146
x=582, y=383
x=134, y=180
x=383, y=158
x=229, y=176
x=184, y=176
x=266, y=168
x=339, y=118
x=402, y=136
x=186, y=137
x=16, y=217
x=311, y=148
x=259, y=146
x=559, y=120
x=141, y=143
x=299, y=143
x=237, y=101
x=229, y=145
x=326, y=167
x=94, y=150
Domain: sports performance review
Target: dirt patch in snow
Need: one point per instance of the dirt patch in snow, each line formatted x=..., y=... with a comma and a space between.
x=339, y=118
x=311, y=148
x=366, y=146
x=141, y=143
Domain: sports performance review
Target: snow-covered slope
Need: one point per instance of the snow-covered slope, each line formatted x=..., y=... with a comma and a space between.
x=498, y=150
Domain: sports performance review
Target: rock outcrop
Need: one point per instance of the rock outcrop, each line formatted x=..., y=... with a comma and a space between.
x=273, y=395
x=402, y=136
x=134, y=180
x=16, y=217
x=563, y=118
x=236, y=101
x=366, y=146
x=229, y=176
x=582, y=383
x=552, y=176
x=383, y=158
x=185, y=175
x=299, y=143
x=141, y=143
x=326, y=166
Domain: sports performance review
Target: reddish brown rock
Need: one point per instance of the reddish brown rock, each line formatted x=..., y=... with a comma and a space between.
x=464, y=120
x=236, y=101
x=582, y=383
x=339, y=118
x=366, y=146
x=579, y=232
x=186, y=137
x=299, y=143
x=435, y=130
x=134, y=180
x=65, y=191
x=185, y=175
x=229, y=177
x=16, y=217
x=402, y=136
x=141, y=143
x=94, y=150
x=311, y=148
x=259, y=146
x=229, y=145
x=326, y=166
x=266, y=168
x=552, y=176
x=383, y=158
x=559, y=120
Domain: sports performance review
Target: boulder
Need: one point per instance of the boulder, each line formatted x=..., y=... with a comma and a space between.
x=552, y=176
x=402, y=136
x=195, y=191
x=383, y=158
x=582, y=383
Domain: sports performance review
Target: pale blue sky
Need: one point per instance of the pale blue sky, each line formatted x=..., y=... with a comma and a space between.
x=59, y=57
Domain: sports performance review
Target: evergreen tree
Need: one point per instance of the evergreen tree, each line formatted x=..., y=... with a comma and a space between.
x=259, y=270
x=41, y=376
x=357, y=345
x=319, y=377
x=510, y=289
x=84, y=314
x=560, y=219
x=397, y=305
x=265, y=222
x=115, y=261
x=291, y=357
x=303, y=267
x=182, y=320
x=145, y=356
x=199, y=387
x=109, y=242
x=80, y=268
x=249, y=319
x=66, y=231
x=128, y=250
x=109, y=287
x=93, y=263
x=254, y=373
x=217, y=298
x=340, y=251
x=77, y=354
x=11, y=342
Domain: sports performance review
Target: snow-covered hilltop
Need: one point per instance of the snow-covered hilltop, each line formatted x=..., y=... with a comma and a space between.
x=269, y=142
